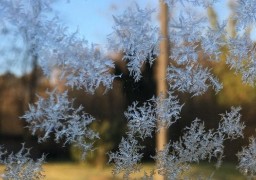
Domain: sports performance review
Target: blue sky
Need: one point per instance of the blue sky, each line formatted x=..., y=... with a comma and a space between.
x=94, y=17
x=94, y=20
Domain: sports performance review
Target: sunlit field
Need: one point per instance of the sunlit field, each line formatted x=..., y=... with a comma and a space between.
x=73, y=171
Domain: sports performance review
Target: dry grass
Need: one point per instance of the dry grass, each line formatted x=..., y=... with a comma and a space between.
x=68, y=171
x=73, y=171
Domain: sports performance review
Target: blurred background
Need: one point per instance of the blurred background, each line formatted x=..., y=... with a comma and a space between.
x=17, y=90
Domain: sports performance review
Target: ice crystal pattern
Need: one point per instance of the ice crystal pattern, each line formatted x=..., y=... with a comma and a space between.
x=49, y=40
x=245, y=13
x=135, y=35
x=56, y=115
x=247, y=158
x=198, y=144
x=202, y=3
x=20, y=166
x=193, y=79
x=142, y=120
x=127, y=158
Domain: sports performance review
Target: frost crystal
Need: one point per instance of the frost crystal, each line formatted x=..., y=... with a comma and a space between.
x=21, y=166
x=90, y=72
x=28, y=17
x=186, y=74
x=49, y=41
x=184, y=54
x=247, y=163
x=127, y=158
x=168, y=164
x=203, y=3
x=213, y=40
x=136, y=36
x=245, y=13
x=242, y=58
x=57, y=115
x=230, y=123
x=167, y=109
x=187, y=28
x=141, y=120
x=197, y=144
x=82, y=66
x=192, y=79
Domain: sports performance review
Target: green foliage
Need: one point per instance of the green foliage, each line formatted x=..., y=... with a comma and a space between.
x=234, y=91
x=98, y=157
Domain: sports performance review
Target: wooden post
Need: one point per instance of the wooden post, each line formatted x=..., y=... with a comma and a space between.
x=161, y=70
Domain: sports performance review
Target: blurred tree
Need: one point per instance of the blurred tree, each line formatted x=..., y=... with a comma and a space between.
x=235, y=92
x=108, y=110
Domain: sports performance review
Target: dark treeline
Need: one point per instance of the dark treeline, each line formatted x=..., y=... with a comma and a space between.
x=108, y=109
